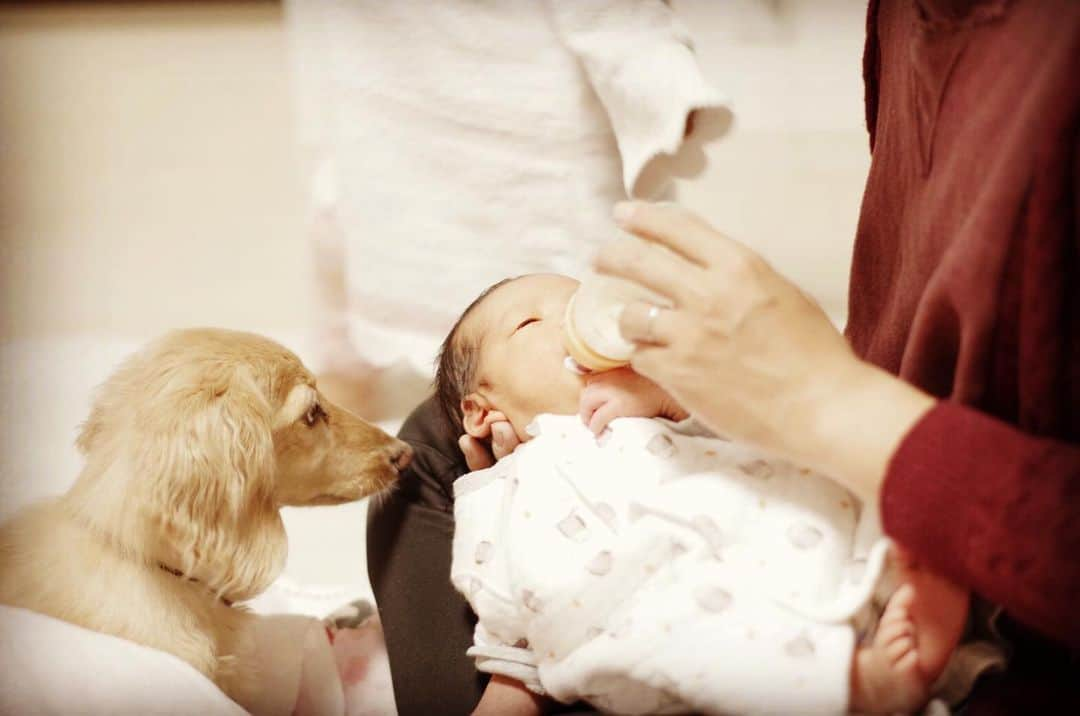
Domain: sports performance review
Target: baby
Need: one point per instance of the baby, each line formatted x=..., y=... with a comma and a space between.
x=646, y=567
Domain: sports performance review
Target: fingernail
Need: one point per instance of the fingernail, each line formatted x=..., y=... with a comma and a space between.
x=623, y=211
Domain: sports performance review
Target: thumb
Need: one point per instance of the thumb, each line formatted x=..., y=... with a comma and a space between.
x=599, y=420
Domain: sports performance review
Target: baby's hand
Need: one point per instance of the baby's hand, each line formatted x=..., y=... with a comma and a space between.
x=479, y=456
x=622, y=393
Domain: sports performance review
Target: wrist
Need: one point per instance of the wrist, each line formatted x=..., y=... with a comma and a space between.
x=861, y=415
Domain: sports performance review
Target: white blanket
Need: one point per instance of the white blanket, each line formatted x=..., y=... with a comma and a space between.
x=51, y=667
x=48, y=666
x=651, y=571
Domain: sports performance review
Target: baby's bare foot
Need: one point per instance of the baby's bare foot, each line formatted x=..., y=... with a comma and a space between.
x=918, y=631
x=886, y=677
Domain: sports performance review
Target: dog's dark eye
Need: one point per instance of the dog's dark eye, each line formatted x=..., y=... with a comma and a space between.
x=313, y=415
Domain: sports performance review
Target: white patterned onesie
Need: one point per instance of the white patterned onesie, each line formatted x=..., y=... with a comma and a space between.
x=653, y=571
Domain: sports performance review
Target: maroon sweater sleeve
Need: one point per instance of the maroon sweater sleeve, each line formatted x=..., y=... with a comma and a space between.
x=993, y=508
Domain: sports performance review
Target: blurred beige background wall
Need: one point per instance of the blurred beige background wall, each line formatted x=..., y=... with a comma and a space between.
x=148, y=179
x=146, y=169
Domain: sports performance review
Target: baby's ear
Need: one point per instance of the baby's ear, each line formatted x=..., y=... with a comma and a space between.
x=478, y=415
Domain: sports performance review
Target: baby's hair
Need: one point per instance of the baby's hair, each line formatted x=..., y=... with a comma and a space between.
x=456, y=366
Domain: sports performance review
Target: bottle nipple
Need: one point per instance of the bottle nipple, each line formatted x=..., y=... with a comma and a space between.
x=574, y=367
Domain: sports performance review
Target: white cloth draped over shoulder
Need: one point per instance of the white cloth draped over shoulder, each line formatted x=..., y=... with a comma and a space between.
x=452, y=144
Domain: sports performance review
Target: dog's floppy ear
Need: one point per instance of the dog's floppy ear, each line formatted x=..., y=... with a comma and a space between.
x=205, y=444
x=90, y=429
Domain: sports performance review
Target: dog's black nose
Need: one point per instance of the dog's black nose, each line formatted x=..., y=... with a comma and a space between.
x=401, y=457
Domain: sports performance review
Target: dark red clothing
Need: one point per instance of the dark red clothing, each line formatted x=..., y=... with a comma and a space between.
x=966, y=282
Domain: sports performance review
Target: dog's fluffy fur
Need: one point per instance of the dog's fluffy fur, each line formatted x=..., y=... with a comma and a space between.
x=191, y=447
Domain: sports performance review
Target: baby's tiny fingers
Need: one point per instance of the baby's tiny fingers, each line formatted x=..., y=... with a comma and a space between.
x=476, y=454
x=604, y=415
x=503, y=439
x=591, y=400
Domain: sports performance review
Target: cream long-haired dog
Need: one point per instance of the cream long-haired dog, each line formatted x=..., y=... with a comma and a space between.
x=191, y=447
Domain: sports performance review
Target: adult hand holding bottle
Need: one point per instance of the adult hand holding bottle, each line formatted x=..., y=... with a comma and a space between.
x=749, y=354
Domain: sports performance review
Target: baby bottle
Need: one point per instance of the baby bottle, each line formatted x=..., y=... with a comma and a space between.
x=591, y=325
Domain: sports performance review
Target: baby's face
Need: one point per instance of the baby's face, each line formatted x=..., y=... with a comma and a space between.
x=521, y=371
